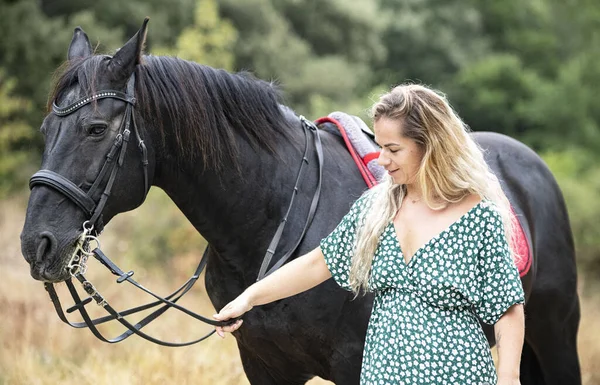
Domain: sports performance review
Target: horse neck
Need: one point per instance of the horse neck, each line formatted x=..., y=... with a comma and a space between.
x=237, y=212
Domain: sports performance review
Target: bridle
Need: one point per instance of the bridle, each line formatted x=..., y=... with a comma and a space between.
x=77, y=265
x=114, y=158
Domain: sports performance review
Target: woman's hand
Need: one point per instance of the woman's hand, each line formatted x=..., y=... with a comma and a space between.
x=294, y=277
x=233, y=309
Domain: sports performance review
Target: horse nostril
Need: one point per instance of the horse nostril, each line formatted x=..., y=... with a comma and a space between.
x=46, y=247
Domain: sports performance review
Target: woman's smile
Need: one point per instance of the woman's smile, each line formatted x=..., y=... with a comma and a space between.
x=400, y=156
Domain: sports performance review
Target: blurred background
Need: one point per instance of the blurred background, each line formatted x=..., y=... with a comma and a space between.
x=528, y=69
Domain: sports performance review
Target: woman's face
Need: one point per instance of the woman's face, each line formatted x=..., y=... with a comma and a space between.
x=400, y=156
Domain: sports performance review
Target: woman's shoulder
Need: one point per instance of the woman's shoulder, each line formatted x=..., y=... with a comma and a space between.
x=480, y=210
x=368, y=197
x=489, y=217
x=489, y=209
x=469, y=206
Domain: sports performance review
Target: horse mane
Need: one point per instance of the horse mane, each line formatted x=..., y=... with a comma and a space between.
x=207, y=107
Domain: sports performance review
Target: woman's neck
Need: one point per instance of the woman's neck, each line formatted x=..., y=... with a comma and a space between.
x=413, y=192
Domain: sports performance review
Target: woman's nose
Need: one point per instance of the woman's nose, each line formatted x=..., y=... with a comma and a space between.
x=382, y=160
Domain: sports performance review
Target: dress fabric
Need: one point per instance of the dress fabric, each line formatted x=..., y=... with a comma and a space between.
x=424, y=326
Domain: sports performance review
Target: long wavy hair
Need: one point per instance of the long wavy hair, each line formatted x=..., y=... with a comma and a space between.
x=452, y=168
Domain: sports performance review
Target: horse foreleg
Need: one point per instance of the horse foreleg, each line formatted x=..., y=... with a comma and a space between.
x=258, y=373
x=531, y=372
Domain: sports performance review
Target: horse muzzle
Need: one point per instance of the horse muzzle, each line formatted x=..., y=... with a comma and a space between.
x=42, y=272
x=47, y=260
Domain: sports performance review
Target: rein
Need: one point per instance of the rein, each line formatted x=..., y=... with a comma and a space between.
x=77, y=268
x=77, y=265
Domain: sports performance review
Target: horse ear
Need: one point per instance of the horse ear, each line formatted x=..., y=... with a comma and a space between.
x=80, y=45
x=127, y=57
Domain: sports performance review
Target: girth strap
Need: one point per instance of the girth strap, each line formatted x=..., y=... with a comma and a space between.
x=309, y=129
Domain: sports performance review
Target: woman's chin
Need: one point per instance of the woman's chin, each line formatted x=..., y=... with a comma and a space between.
x=397, y=179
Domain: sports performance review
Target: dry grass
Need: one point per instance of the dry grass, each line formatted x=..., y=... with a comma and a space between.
x=589, y=336
x=36, y=348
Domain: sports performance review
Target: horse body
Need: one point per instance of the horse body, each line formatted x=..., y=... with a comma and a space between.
x=552, y=305
x=237, y=201
x=238, y=213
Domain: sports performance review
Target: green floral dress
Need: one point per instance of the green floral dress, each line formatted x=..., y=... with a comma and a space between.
x=424, y=325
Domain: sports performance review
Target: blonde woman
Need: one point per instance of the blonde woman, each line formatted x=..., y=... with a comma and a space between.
x=431, y=242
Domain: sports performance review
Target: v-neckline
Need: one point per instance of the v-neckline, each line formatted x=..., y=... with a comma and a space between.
x=435, y=237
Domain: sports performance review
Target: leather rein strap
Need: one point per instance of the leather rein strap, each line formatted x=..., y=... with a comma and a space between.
x=167, y=302
x=85, y=200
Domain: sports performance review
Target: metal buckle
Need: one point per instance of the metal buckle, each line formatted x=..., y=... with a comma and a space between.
x=78, y=263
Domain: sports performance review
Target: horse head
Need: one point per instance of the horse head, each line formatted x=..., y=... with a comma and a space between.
x=86, y=135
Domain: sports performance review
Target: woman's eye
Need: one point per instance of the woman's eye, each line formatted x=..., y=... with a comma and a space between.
x=394, y=151
x=97, y=129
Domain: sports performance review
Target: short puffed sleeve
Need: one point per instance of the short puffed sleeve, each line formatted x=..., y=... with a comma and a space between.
x=338, y=247
x=499, y=284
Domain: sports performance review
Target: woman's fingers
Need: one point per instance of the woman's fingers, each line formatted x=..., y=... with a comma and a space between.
x=225, y=314
x=234, y=309
x=221, y=330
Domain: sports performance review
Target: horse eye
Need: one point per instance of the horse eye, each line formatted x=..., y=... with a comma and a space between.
x=97, y=129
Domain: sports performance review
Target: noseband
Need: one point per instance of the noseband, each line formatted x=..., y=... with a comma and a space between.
x=77, y=265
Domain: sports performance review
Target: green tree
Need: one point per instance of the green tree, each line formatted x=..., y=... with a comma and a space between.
x=429, y=41
x=578, y=175
x=492, y=94
x=318, y=50
x=32, y=46
x=168, y=17
x=16, y=137
x=526, y=29
x=350, y=30
x=567, y=109
x=209, y=40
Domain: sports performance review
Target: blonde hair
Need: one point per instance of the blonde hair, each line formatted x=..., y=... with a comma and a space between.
x=452, y=168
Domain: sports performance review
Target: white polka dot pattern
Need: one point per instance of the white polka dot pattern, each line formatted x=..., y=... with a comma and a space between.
x=424, y=327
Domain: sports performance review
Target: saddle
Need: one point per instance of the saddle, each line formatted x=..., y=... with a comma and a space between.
x=361, y=145
x=359, y=141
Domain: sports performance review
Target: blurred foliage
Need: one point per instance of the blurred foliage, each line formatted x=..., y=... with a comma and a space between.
x=526, y=69
x=15, y=137
x=429, y=41
x=208, y=41
x=578, y=175
x=161, y=232
x=492, y=93
x=567, y=109
x=315, y=49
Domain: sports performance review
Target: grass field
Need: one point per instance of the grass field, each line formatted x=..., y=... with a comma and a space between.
x=36, y=348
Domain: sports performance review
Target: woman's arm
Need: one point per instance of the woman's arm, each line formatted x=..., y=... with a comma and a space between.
x=299, y=275
x=509, y=332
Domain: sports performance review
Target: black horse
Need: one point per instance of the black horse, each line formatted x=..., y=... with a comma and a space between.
x=227, y=152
